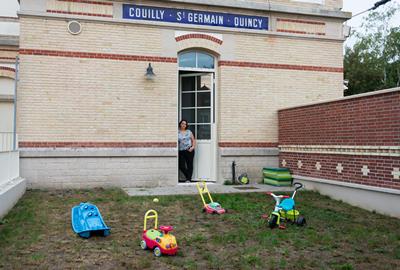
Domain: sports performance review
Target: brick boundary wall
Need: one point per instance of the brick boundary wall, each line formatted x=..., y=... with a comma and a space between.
x=367, y=120
x=354, y=140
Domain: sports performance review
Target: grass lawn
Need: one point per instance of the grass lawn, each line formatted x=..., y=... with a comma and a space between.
x=37, y=234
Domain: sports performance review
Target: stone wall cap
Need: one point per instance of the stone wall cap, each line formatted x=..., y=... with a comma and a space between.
x=346, y=184
x=373, y=93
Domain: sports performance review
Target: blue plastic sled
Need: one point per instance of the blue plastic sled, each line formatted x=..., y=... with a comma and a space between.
x=86, y=218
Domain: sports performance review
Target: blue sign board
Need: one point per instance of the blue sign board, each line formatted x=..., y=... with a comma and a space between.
x=187, y=16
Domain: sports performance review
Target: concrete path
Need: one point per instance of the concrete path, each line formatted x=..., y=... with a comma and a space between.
x=190, y=188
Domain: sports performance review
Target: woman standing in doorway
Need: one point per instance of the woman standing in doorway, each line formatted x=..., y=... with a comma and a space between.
x=187, y=143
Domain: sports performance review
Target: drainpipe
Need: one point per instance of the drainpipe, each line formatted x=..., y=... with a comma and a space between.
x=233, y=172
x=15, y=104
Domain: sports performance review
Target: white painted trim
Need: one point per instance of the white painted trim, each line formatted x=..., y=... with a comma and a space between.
x=360, y=150
x=346, y=184
x=379, y=92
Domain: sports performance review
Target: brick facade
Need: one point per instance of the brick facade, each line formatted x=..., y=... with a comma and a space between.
x=368, y=120
x=89, y=91
x=354, y=140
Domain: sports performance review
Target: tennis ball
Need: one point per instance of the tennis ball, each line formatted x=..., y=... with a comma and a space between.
x=155, y=200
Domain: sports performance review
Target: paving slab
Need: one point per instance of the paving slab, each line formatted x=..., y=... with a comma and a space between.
x=190, y=188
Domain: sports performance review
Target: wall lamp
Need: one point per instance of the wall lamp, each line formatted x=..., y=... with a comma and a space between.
x=150, y=73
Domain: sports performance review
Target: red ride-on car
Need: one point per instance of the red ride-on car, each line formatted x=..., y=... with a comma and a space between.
x=159, y=239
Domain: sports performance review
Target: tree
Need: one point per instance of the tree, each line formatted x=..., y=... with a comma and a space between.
x=373, y=63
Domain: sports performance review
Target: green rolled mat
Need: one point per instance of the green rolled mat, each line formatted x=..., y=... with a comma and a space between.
x=277, y=183
x=280, y=174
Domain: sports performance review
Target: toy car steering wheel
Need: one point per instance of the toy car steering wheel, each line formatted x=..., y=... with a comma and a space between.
x=166, y=229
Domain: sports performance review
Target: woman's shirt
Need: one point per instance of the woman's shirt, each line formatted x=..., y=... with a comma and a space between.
x=185, y=142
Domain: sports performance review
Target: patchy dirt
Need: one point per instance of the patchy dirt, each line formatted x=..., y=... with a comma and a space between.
x=37, y=234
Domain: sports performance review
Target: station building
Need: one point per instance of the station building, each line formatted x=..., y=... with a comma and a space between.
x=103, y=85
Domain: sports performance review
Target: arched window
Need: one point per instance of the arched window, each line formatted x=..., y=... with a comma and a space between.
x=196, y=60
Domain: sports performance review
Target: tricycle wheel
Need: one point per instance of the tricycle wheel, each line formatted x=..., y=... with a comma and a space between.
x=300, y=221
x=143, y=244
x=157, y=252
x=273, y=221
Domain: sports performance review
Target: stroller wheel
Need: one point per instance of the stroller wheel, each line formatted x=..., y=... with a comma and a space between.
x=300, y=221
x=272, y=222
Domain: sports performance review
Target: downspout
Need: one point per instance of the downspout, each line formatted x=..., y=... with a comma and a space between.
x=15, y=104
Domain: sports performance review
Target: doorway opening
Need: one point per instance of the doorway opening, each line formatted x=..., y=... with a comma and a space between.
x=196, y=101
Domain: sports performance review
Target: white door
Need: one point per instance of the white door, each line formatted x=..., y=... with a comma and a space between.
x=196, y=106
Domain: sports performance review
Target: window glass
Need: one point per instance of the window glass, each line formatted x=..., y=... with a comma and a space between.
x=188, y=83
x=187, y=59
x=204, y=132
x=188, y=114
x=205, y=61
x=196, y=60
x=193, y=129
x=188, y=100
x=203, y=115
x=203, y=99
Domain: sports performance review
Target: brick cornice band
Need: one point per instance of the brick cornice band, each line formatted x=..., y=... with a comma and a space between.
x=299, y=21
x=8, y=69
x=122, y=57
x=27, y=144
x=300, y=32
x=201, y=36
x=248, y=144
x=88, y=2
x=79, y=13
x=127, y=57
x=279, y=66
x=9, y=50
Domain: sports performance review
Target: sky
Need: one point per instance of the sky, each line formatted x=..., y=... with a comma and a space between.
x=10, y=7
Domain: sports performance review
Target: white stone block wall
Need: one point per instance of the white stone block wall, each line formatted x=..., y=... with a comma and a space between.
x=93, y=168
x=248, y=160
x=9, y=166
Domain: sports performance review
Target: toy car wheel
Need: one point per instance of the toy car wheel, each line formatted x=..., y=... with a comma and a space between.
x=272, y=221
x=300, y=221
x=157, y=252
x=143, y=244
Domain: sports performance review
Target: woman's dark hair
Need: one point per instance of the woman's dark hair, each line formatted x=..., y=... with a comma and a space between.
x=183, y=120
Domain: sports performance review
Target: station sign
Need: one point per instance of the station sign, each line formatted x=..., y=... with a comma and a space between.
x=197, y=17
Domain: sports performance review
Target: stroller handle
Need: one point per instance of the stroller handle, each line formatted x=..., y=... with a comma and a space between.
x=298, y=185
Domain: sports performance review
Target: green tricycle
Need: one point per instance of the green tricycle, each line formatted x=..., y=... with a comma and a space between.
x=285, y=210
